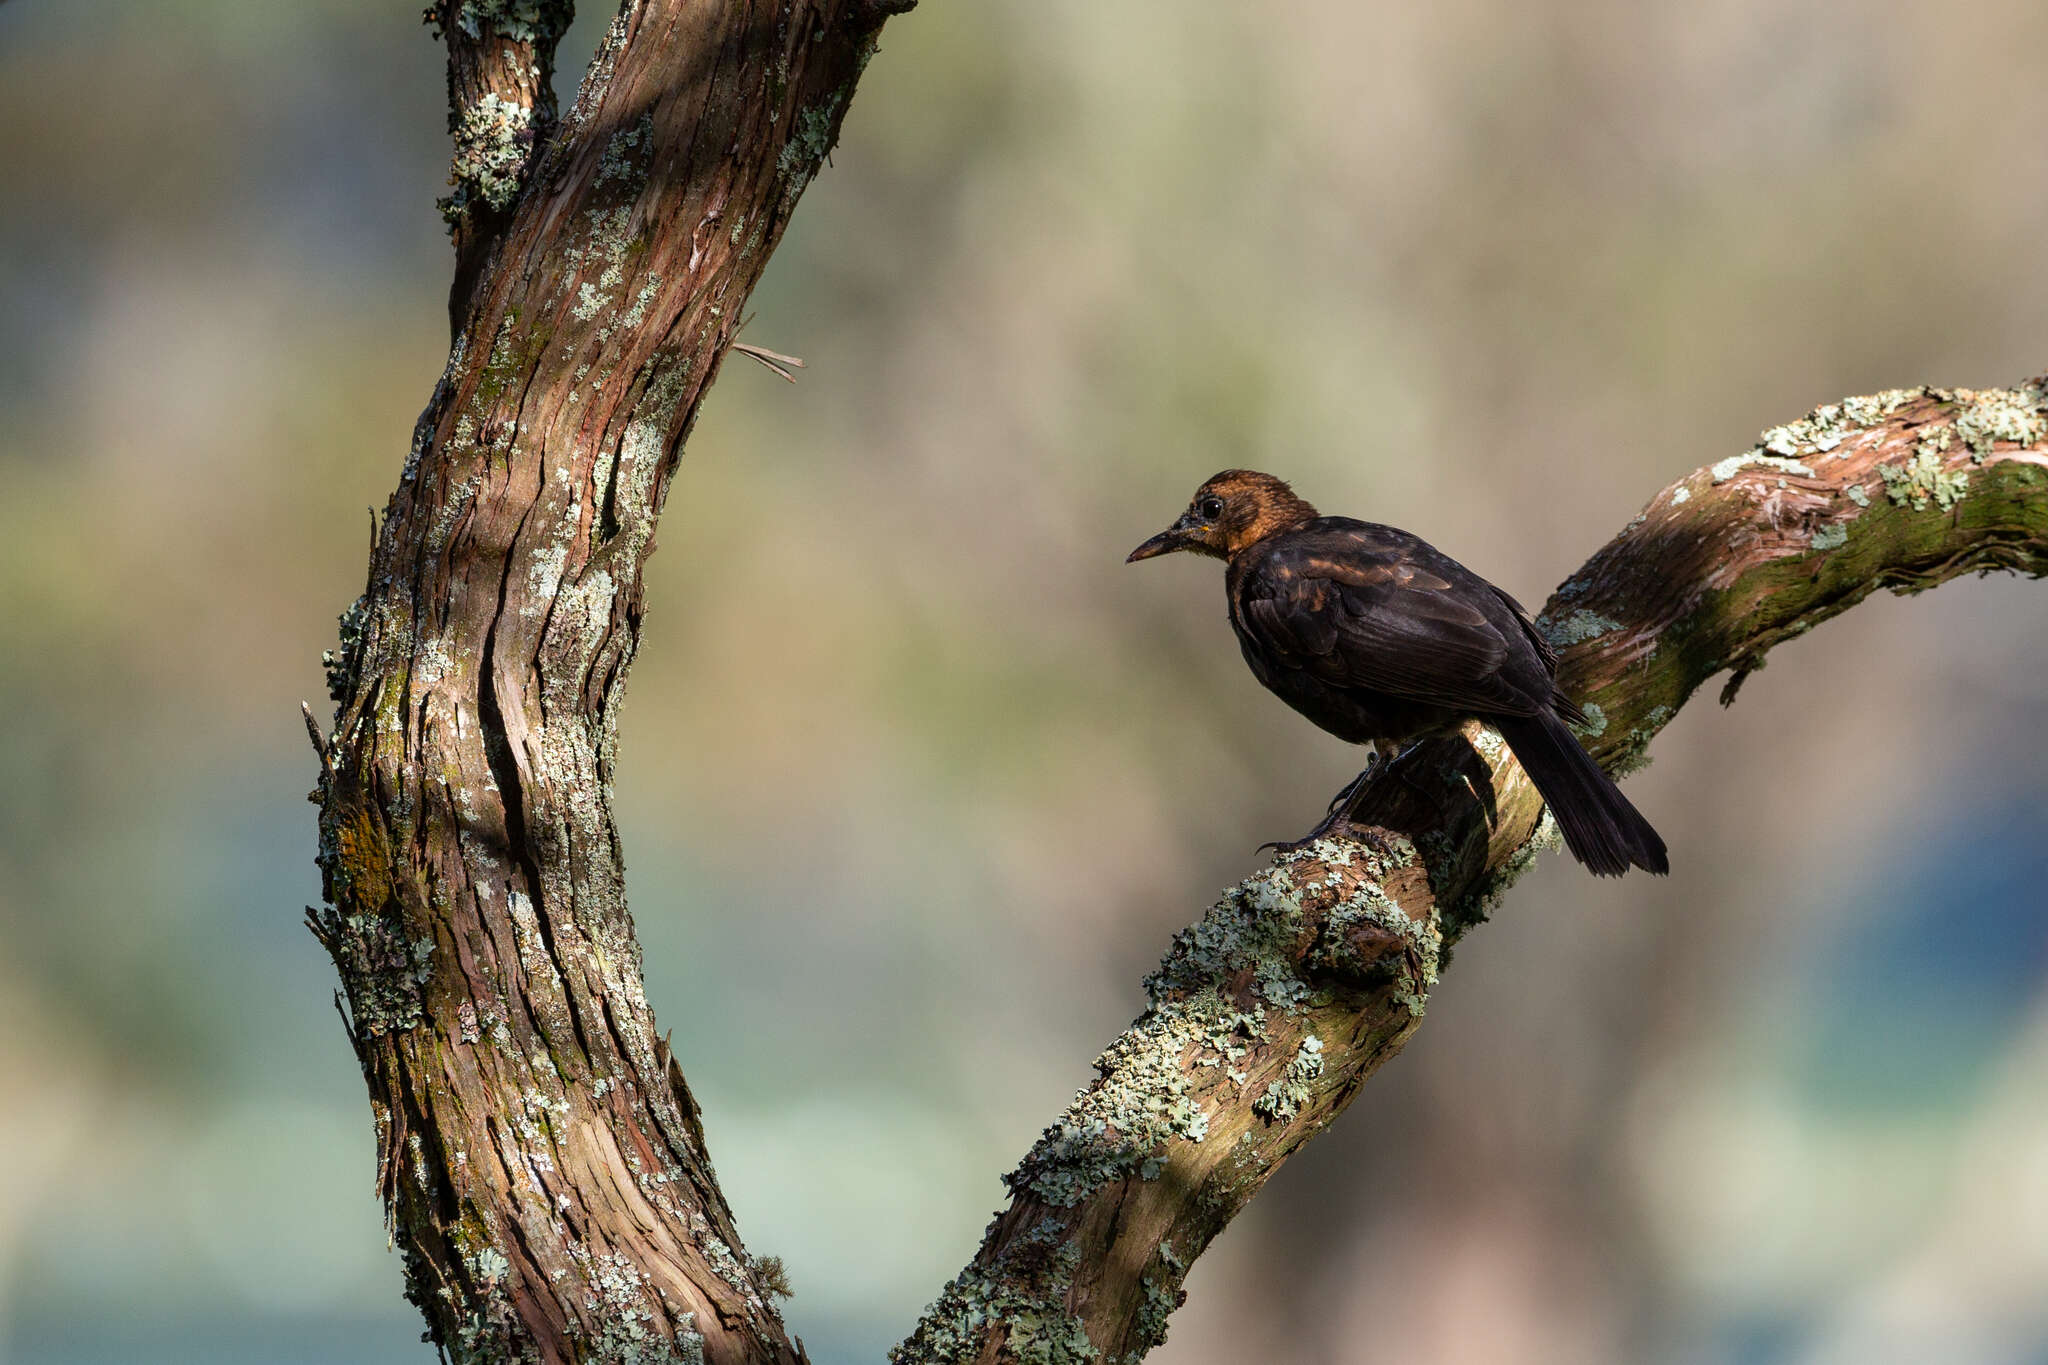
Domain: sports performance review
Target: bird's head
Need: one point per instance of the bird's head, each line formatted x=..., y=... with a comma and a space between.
x=1236, y=508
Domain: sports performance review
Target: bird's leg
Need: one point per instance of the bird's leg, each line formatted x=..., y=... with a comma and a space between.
x=1339, y=811
x=1373, y=763
x=1409, y=782
x=1434, y=800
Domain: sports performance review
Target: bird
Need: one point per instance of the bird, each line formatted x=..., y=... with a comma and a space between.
x=1379, y=638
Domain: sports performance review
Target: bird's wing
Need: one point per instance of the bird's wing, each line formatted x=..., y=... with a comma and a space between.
x=1377, y=610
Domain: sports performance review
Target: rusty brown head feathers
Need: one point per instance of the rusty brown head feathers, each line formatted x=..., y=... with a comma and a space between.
x=1233, y=510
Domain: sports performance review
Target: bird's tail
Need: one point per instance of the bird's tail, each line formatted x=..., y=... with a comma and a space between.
x=1600, y=827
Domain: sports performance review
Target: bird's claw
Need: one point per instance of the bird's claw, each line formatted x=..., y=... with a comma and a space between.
x=1330, y=824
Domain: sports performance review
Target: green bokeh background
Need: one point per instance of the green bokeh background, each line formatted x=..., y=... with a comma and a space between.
x=917, y=778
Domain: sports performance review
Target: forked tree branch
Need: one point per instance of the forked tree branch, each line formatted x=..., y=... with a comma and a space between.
x=1267, y=1016
x=541, y=1158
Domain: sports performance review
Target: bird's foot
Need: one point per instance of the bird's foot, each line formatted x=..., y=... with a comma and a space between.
x=1373, y=763
x=1331, y=823
x=1337, y=816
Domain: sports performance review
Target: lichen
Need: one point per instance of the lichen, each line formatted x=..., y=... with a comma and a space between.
x=1989, y=416
x=1294, y=1087
x=810, y=142
x=1115, y=1129
x=540, y=23
x=1478, y=904
x=1580, y=626
x=1727, y=469
x=726, y=1264
x=1365, y=909
x=1025, y=1296
x=362, y=926
x=493, y=138
x=342, y=664
x=1921, y=480
x=1596, y=721
x=1633, y=755
x=1820, y=432
x=1161, y=1295
x=1257, y=940
x=621, y=1293
x=1854, y=492
x=1869, y=411
x=1831, y=536
x=626, y=153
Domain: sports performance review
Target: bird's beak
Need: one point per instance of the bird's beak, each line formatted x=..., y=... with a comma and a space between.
x=1175, y=537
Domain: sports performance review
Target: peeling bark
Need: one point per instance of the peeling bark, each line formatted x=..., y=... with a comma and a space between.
x=541, y=1158
x=1267, y=1016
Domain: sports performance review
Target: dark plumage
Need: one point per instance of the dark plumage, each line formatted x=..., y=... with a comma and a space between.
x=1377, y=637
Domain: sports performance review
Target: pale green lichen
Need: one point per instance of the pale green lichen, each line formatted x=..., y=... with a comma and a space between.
x=1025, y=1297
x=1162, y=1294
x=1633, y=755
x=1820, y=432
x=1596, y=722
x=342, y=664
x=1832, y=536
x=1869, y=411
x=1295, y=1086
x=1478, y=904
x=382, y=968
x=1369, y=911
x=625, y=153
x=1256, y=962
x=1580, y=626
x=493, y=138
x=1119, y=1127
x=810, y=142
x=1854, y=492
x=488, y=1265
x=1727, y=469
x=539, y=22
x=1921, y=480
x=631, y=1335
x=1989, y=416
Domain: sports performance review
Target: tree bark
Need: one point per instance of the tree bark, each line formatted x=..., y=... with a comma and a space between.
x=541, y=1158
x=1267, y=1016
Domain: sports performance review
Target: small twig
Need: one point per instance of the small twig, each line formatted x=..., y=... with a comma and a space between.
x=1735, y=682
x=313, y=733
x=774, y=360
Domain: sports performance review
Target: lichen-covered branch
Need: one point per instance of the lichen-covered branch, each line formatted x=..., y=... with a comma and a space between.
x=1268, y=1014
x=501, y=113
x=541, y=1158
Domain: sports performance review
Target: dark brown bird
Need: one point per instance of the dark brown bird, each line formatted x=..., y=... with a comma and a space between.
x=1378, y=638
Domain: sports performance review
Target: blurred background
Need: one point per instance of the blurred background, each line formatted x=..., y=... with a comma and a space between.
x=1493, y=272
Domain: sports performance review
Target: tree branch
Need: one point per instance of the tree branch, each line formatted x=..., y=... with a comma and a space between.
x=501, y=113
x=541, y=1158
x=1267, y=1016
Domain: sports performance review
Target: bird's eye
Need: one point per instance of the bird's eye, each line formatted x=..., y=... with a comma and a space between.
x=1210, y=508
